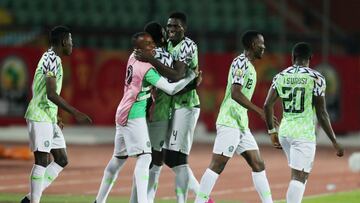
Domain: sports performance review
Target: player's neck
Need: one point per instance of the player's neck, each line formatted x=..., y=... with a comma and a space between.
x=57, y=50
x=302, y=63
x=249, y=55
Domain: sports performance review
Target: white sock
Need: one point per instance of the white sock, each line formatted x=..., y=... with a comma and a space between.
x=141, y=176
x=193, y=183
x=154, y=175
x=36, y=182
x=110, y=174
x=181, y=182
x=52, y=171
x=295, y=192
x=262, y=186
x=133, y=196
x=207, y=183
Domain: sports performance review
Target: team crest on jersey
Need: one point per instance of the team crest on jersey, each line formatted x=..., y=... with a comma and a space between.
x=231, y=148
x=238, y=72
x=47, y=143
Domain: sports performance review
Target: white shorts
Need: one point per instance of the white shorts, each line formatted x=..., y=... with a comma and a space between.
x=45, y=136
x=132, y=139
x=182, y=130
x=299, y=153
x=157, y=133
x=229, y=140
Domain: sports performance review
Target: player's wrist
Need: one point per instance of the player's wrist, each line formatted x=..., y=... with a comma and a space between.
x=271, y=131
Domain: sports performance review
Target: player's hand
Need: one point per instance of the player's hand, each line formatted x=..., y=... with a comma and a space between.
x=142, y=55
x=82, y=118
x=60, y=123
x=275, y=140
x=199, y=79
x=339, y=149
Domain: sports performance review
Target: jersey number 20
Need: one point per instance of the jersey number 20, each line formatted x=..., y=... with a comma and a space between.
x=294, y=103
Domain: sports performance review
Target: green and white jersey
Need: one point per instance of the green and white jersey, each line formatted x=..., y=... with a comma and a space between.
x=232, y=114
x=138, y=109
x=162, y=109
x=185, y=51
x=40, y=108
x=297, y=86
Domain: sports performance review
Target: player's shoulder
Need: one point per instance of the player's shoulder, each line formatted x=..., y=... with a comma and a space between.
x=188, y=45
x=163, y=56
x=240, y=61
x=51, y=56
x=312, y=73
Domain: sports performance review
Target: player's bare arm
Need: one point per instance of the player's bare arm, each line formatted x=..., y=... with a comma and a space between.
x=324, y=120
x=60, y=102
x=269, y=115
x=174, y=74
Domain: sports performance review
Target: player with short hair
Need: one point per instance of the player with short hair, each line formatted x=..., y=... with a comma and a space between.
x=233, y=133
x=300, y=89
x=185, y=106
x=132, y=137
x=41, y=116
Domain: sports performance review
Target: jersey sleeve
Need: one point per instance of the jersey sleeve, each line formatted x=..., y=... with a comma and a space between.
x=274, y=82
x=320, y=86
x=50, y=65
x=188, y=52
x=239, y=69
x=152, y=76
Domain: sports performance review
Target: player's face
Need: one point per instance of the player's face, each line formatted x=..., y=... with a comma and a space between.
x=259, y=47
x=146, y=43
x=67, y=44
x=175, y=30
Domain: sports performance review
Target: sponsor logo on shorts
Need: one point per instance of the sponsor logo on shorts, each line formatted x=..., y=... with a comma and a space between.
x=231, y=148
x=161, y=143
x=148, y=144
x=47, y=143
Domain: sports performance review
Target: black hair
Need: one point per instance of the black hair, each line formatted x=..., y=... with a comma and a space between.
x=302, y=51
x=179, y=15
x=58, y=34
x=248, y=38
x=155, y=30
x=136, y=36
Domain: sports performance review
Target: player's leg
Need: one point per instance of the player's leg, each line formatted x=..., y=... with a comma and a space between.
x=250, y=151
x=138, y=144
x=178, y=147
x=157, y=133
x=224, y=147
x=301, y=157
x=41, y=135
x=114, y=166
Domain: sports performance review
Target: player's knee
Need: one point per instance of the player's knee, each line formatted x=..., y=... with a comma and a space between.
x=258, y=166
x=173, y=158
x=62, y=161
x=42, y=158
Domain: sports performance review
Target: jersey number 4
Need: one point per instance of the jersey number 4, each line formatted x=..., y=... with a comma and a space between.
x=294, y=103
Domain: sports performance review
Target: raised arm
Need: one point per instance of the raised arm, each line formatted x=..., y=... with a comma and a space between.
x=169, y=88
x=174, y=74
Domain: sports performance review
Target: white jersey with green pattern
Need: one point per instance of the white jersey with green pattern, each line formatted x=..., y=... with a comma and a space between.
x=40, y=108
x=232, y=114
x=297, y=86
x=162, y=109
x=185, y=51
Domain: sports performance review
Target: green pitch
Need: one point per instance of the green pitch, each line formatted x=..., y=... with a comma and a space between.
x=348, y=197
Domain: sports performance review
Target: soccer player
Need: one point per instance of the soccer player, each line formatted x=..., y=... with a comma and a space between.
x=186, y=106
x=233, y=133
x=132, y=138
x=42, y=115
x=300, y=89
x=162, y=112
